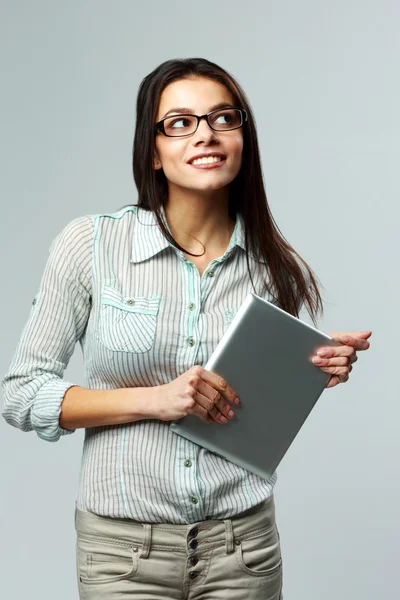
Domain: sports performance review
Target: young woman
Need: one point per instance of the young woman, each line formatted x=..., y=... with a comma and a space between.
x=148, y=291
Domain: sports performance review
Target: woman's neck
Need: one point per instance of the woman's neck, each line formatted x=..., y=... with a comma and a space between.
x=204, y=217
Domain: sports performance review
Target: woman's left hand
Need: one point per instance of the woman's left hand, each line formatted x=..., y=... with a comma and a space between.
x=338, y=360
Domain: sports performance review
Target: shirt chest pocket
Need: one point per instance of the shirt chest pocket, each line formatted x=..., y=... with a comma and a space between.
x=127, y=324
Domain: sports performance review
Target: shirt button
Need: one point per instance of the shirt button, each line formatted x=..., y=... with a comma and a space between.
x=131, y=302
x=34, y=301
x=191, y=306
x=210, y=273
x=193, y=500
x=188, y=463
x=191, y=341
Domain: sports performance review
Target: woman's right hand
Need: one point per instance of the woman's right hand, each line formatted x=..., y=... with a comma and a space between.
x=197, y=391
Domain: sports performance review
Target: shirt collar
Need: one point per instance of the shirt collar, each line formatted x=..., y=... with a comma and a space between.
x=148, y=239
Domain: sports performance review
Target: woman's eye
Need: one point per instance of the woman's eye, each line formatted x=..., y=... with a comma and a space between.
x=224, y=119
x=185, y=123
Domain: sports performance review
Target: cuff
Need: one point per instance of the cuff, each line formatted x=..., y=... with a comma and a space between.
x=46, y=410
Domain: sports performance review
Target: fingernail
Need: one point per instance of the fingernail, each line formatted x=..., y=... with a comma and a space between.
x=224, y=419
x=322, y=353
x=236, y=400
x=318, y=361
x=231, y=414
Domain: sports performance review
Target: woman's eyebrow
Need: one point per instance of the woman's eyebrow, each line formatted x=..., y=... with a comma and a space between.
x=183, y=109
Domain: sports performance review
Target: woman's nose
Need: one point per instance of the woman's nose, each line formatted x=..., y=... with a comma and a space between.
x=204, y=131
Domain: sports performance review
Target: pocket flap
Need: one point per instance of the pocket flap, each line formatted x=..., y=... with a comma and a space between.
x=145, y=305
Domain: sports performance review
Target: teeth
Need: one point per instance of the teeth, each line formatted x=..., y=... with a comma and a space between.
x=206, y=160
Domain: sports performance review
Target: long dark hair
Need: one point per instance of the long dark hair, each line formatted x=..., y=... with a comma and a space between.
x=290, y=280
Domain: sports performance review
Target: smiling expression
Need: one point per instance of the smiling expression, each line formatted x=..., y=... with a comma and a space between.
x=199, y=96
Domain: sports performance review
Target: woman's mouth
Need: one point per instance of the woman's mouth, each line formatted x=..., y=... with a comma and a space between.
x=207, y=163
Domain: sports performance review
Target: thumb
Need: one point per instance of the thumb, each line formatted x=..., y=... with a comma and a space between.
x=362, y=334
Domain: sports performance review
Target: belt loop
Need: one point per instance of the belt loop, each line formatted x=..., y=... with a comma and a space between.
x=146, y=540
x=229, y=536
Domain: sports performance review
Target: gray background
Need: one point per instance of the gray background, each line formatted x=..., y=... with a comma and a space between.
x=323, y=81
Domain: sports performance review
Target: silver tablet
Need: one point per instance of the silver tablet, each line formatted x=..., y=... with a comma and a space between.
x=265, y=355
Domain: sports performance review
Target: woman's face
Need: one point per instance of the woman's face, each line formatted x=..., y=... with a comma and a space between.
x=198, y=96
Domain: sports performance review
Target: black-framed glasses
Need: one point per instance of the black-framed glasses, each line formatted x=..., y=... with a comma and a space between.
x=222, y=119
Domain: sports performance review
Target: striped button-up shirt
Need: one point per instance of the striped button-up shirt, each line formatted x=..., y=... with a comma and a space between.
x=143, y=315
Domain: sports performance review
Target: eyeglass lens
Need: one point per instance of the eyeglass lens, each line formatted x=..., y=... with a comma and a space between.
x=221, y=120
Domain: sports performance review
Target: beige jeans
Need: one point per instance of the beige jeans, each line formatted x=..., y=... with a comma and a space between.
x=227, y=559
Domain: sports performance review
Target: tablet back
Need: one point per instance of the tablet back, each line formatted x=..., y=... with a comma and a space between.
x=265, y=355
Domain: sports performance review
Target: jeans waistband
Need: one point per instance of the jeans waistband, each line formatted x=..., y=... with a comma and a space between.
x=208, y=534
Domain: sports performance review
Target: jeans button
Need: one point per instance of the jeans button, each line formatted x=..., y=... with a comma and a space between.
x=194, y=560
x=193, y=574
x=193, y=532
x=193, y=544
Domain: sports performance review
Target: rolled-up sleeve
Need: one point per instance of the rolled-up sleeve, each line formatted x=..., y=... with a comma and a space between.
x=34, y=388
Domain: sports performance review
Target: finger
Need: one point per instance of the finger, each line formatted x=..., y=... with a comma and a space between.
x=213, y=412
x=214, y=401
x=361, y=334
x=356, y=343
x=333, y=362
x=332, y=367
x=224, y=388
x=358, y=334
x=209, y=396
x=338, y=351
x=339, y=371
x=336, y=379
x=220, y=384
x=333, y=381
x=201, y=404
x=199, y=408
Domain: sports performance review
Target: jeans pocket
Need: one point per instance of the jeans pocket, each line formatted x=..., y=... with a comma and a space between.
x=259, y=554
x=100, y=561
x=127, y=324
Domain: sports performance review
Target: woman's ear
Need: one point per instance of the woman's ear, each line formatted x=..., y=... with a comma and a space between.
x=157, y=163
